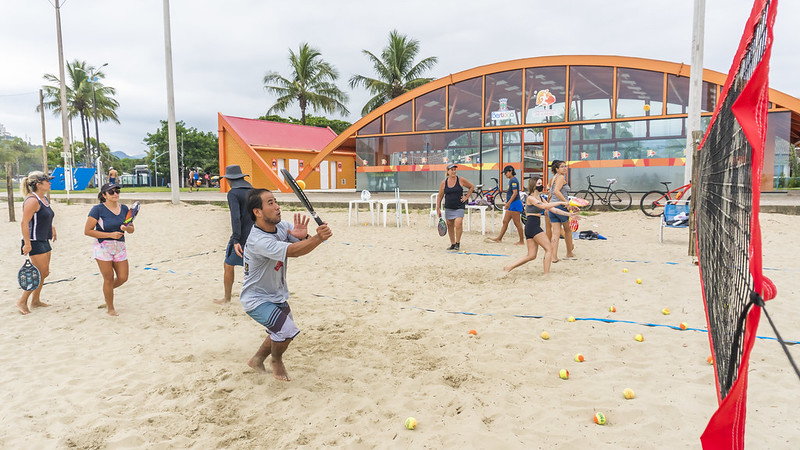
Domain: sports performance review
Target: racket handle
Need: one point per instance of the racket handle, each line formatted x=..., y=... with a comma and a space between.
x=317, y=219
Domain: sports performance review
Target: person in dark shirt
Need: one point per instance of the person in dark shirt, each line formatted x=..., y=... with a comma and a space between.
x=241, y=223
x=105, y=224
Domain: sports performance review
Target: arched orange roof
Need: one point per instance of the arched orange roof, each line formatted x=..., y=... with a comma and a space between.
x=347, y=137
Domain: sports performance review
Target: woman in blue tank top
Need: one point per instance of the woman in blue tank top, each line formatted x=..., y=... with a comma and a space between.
x=37, y=231
x=452, y=191
x=513, y=207
x=534, y=234
x=559, y=191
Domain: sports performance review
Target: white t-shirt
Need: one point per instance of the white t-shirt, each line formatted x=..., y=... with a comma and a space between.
x=265, y=266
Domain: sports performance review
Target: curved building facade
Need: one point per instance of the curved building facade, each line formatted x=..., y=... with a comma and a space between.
x=609, y=116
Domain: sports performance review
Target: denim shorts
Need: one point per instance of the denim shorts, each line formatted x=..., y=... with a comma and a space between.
x=558, y=218
x=231, y=257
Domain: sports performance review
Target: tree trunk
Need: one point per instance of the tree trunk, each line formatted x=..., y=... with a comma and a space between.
x=10, y=190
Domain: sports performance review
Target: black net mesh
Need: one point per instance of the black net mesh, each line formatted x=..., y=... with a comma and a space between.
x=724, y=190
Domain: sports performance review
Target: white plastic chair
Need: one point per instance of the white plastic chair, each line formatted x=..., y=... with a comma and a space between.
x=432, y=219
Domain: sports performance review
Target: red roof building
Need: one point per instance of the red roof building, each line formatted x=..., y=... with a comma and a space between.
x=261, y=148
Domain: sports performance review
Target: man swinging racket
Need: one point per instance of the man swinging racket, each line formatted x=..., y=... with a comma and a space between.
x=264, y=291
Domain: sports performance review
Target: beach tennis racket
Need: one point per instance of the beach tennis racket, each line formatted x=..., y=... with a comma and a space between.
x=29, y=276
x=300, y=195
x=441, y=227
x=132, y=212
x=578, y=202
x=573, y=221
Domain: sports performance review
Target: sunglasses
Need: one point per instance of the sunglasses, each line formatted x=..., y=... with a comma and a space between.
x=113, y=191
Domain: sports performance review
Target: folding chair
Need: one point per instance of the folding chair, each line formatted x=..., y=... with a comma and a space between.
x=432, y=219
x=671, y=210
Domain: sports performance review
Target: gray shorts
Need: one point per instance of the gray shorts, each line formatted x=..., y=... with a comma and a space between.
x=450, y=214
x=277, y=319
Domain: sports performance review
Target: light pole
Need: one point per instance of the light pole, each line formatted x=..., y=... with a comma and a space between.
x=92, y=80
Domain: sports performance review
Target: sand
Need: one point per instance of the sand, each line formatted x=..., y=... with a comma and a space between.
x=383, y=338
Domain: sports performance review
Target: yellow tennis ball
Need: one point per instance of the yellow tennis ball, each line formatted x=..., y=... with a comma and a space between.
x=624, y=270
x=638, y=281
x=563, y=374
x=612, y=309
x=647, y=107
x=665, y=311
x=545, y=335
x=628, y=394
x=600, y=418
x=639, y=337
x=301, y=183
x=570, y=319
x=684, y=325
x=579, y=358
x=411, y=423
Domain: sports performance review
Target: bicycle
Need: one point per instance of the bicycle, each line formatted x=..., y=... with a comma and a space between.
x=652, y=203
x=493, y=196
x=618, y=199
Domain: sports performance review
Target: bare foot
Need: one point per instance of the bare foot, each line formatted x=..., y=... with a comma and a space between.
x=519, y=243
x=39, y=304
x=222, y=301
x=112, y=312
x=571, y=255
x=279, y=371
x=257, y=365
x=493, y=240
x=23, y=308
x=555, y=261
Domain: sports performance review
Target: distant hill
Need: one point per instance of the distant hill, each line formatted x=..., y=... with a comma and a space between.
x=123, y=155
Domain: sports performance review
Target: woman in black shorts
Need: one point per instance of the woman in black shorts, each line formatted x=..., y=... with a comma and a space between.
x=37, y=230
x=535, y=236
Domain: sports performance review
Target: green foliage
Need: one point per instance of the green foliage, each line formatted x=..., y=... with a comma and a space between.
x=396, y=71
x=314, y=121
x=794, y=182
x=310, y=84
x=200, y=149
x=23, y=156
x=794, y=161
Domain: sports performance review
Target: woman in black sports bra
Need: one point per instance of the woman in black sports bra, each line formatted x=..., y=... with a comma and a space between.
x=535, y=236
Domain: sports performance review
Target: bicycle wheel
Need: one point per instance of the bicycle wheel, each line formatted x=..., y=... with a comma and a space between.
x=586, y=195
x=499, y=201
x=652, y=203
x=474, y=198
x=620, y=200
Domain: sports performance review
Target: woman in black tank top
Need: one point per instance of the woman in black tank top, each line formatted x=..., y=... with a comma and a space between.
x=37, y=231
x=451, y=193
x=535, y=236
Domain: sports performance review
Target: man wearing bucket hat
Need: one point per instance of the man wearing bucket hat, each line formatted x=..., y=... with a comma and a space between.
x=241, y=223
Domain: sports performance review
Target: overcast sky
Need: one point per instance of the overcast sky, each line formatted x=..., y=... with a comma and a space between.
x=222, y=49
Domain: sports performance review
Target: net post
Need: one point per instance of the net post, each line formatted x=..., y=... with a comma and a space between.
x=696, y=137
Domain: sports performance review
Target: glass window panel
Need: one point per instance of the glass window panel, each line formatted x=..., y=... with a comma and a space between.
x=490, y=153
x=431, y=111
x=533, y=157
x=465, y=103
x=503, y=104
x=557, y=140
x=639, y=92
x=512, y=148
x=546, y=96
x=591, y=89
x=677, y=94
x=373, y=127
x=667, y=127
x=709, y=97
x=398, y=120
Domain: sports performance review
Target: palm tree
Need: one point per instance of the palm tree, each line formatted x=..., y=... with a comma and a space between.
x=396, y=71
x=311, y=83
x=79, y=98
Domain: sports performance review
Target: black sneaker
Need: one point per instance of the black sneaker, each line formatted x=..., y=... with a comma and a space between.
x=456, y=246
x=452, y=247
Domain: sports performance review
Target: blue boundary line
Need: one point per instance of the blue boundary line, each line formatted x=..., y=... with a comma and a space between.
x=687, y=264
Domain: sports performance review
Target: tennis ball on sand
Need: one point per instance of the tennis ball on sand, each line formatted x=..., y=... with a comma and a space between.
x=545, y=335
x=473, y=332
x=638, y=281
x=624, y=270
x=665, y=311
x=411, y=423
x=628, y=394
x=639, y=337
x=563, y=374
x=571, y=319
x=612, y=309
x=600, y=418
x=684, y=325
x=579, y=358
x=301, y=183
x=710, y=360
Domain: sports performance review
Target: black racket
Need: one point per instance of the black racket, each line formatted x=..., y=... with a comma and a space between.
x=299, y=193
x=29, y=276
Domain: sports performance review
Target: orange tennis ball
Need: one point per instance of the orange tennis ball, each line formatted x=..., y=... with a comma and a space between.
x=639, y=338
x=545, y=335
x=647, y=107
x=628, y=394
x=710, y=360
x=600, y=418
x=684, y=326
x=563, y=374
x=301, y=183
x=612, y=309
x=473, y=332
x=579, y=358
